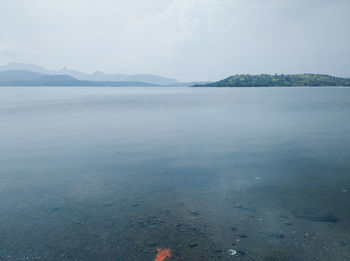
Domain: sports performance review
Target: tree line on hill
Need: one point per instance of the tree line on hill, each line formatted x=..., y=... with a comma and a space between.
x=267, y=80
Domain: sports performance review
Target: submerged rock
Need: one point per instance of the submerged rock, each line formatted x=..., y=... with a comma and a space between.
x=249, y=209
x=233, y=228
x=195, y=213
x=278, y=235
x=217, y=249
x=193, y=245
x=276, y=256
x=315, y=216
x=240, y=253
x=150, y=243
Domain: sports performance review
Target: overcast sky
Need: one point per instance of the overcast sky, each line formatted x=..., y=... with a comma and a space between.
x=185, y=39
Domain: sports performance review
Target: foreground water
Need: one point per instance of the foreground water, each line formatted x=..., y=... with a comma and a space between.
x=116, y=173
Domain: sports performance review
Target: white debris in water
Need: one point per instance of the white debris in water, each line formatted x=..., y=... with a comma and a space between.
x=232, y=252
x=257, y=178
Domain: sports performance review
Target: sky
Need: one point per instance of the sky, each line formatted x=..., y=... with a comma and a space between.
x=191, y=40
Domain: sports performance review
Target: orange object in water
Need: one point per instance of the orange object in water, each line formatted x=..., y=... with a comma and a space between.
x=162, y=254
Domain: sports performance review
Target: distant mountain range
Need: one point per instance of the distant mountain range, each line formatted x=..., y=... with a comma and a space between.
x=29, y=78
x=21, y=74
x=267, y=80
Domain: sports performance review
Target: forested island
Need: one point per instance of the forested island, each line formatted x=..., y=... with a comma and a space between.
x=267, y=80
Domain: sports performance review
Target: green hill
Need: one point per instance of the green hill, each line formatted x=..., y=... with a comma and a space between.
x=267, y=80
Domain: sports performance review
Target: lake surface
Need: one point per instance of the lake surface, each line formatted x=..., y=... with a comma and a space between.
x=116, y=173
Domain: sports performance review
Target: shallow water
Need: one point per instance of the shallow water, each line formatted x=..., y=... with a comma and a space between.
x=115, y=173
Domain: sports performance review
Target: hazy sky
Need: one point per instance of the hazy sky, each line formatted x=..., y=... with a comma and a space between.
x=184, y=39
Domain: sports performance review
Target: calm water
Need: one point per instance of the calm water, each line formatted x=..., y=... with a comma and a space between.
x=115, y=173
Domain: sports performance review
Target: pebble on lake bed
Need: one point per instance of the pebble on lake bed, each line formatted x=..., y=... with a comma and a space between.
x=232, y=252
